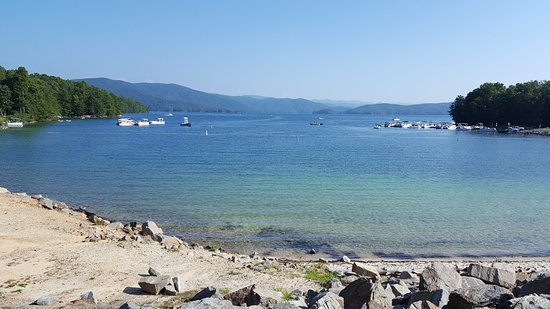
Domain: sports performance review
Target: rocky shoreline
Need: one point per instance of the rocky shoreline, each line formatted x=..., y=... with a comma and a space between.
x=91, y=262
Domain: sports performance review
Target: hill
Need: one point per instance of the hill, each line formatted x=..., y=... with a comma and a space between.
x=396, y=109
x=172, y=97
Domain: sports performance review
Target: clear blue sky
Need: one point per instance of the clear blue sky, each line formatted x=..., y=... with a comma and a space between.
x=378, y=51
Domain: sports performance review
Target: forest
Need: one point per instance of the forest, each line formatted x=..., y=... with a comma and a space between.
x=493, y=104
x=39, y=97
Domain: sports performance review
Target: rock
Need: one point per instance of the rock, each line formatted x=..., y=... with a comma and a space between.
x=363, y=269
x=171, y=242
x=286, y=305
x=244, y=296
x=440, y=276
x=499, y=276
x=169, y=290
x=150, y=228
x=268, y=297
x=46, y=203
x=357, y=293
x=113, y=226
x=408, y=278
x=205, y=293
x=440, y=297
x=4, y=191
x=327, y=300
x=478, y=296
x=152, y=284
x=539, y=284
x=208, y=303
x=471, y=281
x=130, y=305
x=423, y=304
x=345, y=259
x=47, y=300
x=529, y=302
x=400, y=289
x=89, y=297
x=153, y=272
x=380, y=298
x=178, y=283
x=159, y=237
x=312, y=251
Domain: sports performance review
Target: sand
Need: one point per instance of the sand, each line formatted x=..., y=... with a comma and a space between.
x=46, y=252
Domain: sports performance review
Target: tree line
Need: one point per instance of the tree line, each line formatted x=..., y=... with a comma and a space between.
x=39, y=97
x=526, y=104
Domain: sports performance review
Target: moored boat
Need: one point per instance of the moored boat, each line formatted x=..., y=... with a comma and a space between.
x=124, y=122
x=158, y=121
x=144, y=122
x=185, y=122
x=15, y=124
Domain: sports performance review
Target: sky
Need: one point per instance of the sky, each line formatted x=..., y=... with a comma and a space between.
x=396, y=51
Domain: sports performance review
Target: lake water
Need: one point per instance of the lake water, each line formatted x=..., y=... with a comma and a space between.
x=274, y=183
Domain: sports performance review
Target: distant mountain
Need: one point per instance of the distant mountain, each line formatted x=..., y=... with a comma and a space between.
x=396, y=109
x=172, y=97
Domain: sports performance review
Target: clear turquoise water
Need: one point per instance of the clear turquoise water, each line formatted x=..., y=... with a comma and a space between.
x=274, y=183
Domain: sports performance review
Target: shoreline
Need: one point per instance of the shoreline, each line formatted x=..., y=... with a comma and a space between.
x=62, y=252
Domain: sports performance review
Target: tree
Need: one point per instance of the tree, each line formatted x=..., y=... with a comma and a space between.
x=5, y=100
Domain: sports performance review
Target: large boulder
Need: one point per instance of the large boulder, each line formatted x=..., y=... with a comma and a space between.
x=539, y=284
x=357, y=294
x=327, y=300
x=400, y=289
x=154, y=284
x=364, y=269
x=268, y=297
x=245, y=296
x=529, y=302
x=207, y=292
x=89, y=297
x=478, y=296
x=505, y=277
x=440, y=276
x=380, y=298
x=471, y=281
x=150, y=228
x=47, y=300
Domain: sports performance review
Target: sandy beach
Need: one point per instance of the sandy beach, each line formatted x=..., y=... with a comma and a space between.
x=49, y=252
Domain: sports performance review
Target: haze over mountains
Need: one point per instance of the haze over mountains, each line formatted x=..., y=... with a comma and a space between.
x=177, y=98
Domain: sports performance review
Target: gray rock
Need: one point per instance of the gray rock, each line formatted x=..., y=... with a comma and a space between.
x=46, y=203
x=440, y=297
x=268, y=297
x=471, y=281
x=498, y=276
x=327, y=300
x=205, y=293
x=529, y=302
x=178, y=283
x=357, y=293
x=150, y=228
x=113, y=226
x=152, y=284
x=400, y=289
x=345, y=259
x=380, y=298
x=130, y=305
x=440, y=276
x=363, y=269
x=89, y=297
x=539, y=284
x=169, y=290
x=478, y=296
x=171, y=242
x=285, y=305
x=4, y=191
x=208, y=303
x=153, y=272
x=423, y=304
x=47, y=300
x=245, y=296
x=159, y=237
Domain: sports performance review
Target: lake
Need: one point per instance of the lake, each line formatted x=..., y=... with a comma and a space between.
x=276, y=184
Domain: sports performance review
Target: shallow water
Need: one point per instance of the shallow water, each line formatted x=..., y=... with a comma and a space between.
x=275, y=183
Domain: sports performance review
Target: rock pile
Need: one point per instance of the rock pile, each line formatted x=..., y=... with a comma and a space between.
x=155, y=283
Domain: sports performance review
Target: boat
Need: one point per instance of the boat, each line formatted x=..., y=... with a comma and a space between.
x=124, y=122
x=315, y=123
x=15, y=124
x=185, y=122
x=514, y=129
x=144, y=122
x=169, y=115
x=158, y=121
x=377, y=126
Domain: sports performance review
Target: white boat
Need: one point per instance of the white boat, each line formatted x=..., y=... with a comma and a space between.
x=169, y=115
x=487, y=130
x=144, y=122
x=514, y=129
x=377, y=126
x=124, y=122
x=158, y=121
x=14, y=124
x=185, y=122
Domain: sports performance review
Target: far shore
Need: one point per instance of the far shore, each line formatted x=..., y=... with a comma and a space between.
x=62, y=252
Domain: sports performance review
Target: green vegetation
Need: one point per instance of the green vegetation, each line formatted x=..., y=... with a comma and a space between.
x=526, y=104
x=320, y=275
x=39, y=97
x=286, y=294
